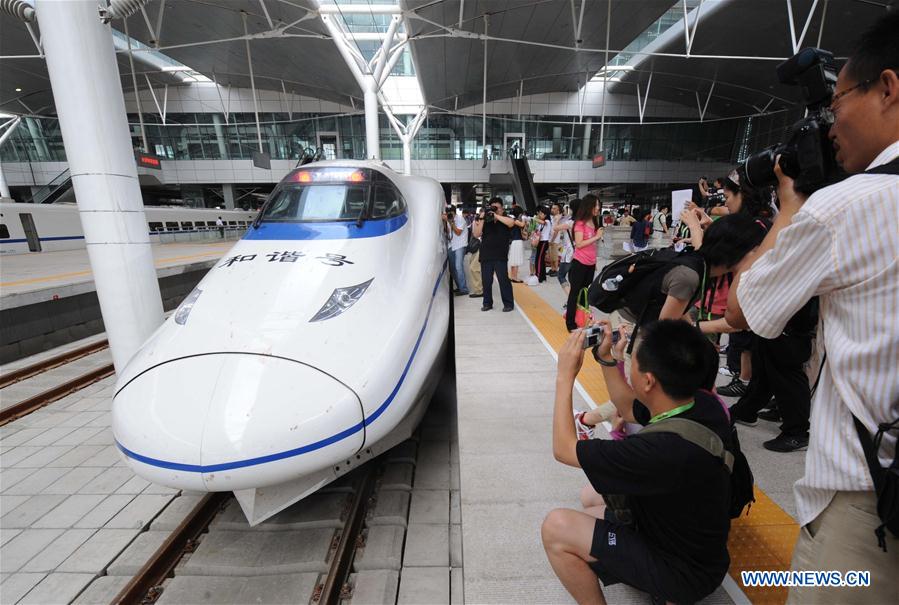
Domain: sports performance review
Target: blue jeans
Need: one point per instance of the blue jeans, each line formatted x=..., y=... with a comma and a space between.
x=457, y=269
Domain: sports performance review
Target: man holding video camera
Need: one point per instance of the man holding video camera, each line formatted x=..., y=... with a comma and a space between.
x=841, y=244
x=495, y=230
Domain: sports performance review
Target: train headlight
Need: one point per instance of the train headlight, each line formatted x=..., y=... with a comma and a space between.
x=341, y=300
x=187, y=306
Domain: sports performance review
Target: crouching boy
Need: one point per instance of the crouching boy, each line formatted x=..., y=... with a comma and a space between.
x=675, y=544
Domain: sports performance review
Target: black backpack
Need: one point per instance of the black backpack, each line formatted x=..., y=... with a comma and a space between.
x=640, y=288
x=741, y=479
x=886, y=479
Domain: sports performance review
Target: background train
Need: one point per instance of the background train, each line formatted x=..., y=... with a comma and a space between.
x=312, y=346
x=51, y=227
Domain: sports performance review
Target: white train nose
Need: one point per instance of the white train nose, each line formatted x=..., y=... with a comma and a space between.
x=228, y=421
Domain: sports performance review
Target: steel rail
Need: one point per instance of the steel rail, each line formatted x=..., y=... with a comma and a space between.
x=144, y=586
x=23, y=408
x=342, y=559
x=53, y=362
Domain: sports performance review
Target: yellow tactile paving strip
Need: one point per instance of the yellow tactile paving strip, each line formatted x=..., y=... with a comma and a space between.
x=760, y=540
x=159, y=263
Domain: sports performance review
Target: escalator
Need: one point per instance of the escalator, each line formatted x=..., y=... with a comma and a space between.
x=57, y=190
x=523, y=185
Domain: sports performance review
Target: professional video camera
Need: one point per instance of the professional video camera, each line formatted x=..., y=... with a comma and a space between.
x=807, y=156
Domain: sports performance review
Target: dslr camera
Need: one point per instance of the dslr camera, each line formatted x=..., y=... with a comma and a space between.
x=489, y=215
x=715, y=199
x=807, y=156
x=449, y=210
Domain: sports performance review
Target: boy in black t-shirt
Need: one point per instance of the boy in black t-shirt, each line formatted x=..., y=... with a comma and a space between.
x=678, y=493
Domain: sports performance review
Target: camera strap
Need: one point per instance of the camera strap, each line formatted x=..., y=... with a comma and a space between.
x=888, y=168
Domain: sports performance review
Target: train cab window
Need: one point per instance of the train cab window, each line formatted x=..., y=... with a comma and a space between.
x=4, y=231
x=155, y=227
x=172, y=226
x=317, y=202
x=187, y=226
x=386, y=201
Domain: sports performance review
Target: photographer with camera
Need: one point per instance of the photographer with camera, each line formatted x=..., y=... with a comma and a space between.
x=457, y=230
x=495, y=231
x=678, y=494
x=841, y=244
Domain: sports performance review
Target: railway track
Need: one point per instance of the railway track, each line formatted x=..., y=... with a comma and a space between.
x=65, y=387
x=149, y=583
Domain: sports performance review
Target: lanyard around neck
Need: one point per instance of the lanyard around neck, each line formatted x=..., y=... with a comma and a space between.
x=670, y=413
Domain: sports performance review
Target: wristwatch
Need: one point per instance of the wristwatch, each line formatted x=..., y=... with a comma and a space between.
x=601, y=361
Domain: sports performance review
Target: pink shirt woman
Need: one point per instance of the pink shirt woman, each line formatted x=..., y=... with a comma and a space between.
x=587, y=254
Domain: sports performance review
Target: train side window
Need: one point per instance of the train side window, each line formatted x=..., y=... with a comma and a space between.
x=387, y=202
x=4, y=231
x=172, y=226
x=187, y=226
x=155, y=227
x=232, y=223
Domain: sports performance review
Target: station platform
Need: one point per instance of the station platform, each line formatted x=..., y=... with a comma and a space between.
x=505, y=374
x=38, y=277
x=49, y=299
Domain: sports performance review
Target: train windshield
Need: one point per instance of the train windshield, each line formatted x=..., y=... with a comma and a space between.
x=331, y=194
x=325, y=202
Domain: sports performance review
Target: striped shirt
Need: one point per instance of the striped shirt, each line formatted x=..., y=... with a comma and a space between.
x=843, y=245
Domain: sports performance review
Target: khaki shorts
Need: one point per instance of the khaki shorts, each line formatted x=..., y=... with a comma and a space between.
x=842, y=539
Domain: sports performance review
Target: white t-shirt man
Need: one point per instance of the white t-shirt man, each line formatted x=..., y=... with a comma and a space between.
x=460, y=240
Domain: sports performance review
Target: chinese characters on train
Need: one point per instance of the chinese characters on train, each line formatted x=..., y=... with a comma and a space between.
x=329, y=259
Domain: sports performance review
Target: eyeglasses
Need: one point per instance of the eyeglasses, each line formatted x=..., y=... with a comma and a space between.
x=831, y=109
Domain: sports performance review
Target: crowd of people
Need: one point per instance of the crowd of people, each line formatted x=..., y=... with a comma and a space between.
x=778, y=272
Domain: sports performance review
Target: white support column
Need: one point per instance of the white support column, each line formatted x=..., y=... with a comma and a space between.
x=366, y=80
x=88, y=93
x=228, y=195
x=140, y=109
x=588, y=127
x=484, y=94
x=220, y=136
x=406, y=133
x=605, y=77
x=40, y=145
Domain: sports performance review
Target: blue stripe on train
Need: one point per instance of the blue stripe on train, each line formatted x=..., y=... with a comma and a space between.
x=325, y=230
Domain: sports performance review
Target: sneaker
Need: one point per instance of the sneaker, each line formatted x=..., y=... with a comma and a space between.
x=552, y=273
x=459, y=293
x=475, y=296
x=736, y=388
x=726, y=371
x=722, y=350
x=486, y=307
x=770, y=414
x=508, y=308
x=743, y=418
x=787, y=443
x=584, y=431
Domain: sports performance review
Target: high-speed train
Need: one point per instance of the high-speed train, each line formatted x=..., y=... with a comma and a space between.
x=313, y=345
x=51, y=227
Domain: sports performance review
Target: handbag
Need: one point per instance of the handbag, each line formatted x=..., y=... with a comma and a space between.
x=583, y=316
x=474, y=244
